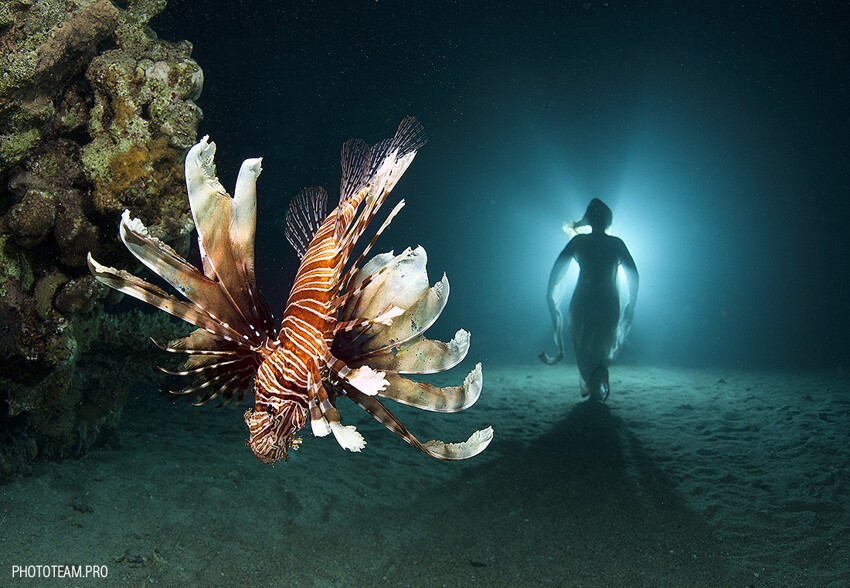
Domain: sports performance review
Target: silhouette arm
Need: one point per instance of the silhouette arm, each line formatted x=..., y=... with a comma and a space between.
x=554, y=296
x=633, y=281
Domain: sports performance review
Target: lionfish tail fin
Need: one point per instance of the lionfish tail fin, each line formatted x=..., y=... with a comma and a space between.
x=232, y=318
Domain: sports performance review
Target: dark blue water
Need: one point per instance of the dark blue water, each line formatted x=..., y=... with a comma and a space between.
x=718, y=135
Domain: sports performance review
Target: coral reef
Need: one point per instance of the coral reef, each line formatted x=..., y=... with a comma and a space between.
x=96, y=115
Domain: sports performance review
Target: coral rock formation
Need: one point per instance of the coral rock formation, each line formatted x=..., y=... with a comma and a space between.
x=96, y=115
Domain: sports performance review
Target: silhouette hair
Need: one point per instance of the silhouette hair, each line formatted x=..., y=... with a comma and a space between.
x=597, y=215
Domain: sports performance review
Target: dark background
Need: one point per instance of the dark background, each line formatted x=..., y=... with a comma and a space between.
x=718, y=134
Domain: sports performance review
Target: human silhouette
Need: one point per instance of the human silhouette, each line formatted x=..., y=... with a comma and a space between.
x=596, y=325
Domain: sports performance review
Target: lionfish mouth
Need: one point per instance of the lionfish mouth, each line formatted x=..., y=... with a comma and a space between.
x=273, y=454
x=271, y=437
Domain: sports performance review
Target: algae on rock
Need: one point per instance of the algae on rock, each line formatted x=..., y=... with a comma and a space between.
x=96, y=115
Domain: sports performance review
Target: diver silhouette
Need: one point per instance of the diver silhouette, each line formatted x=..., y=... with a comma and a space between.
x=596, y=326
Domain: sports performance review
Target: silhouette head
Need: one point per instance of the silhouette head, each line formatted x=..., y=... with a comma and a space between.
x=597, y=215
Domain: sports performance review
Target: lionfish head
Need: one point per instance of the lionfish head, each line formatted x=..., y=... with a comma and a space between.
x=273, y=428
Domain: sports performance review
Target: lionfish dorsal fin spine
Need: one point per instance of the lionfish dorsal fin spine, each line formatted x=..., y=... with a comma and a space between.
x=305, y=215
x=346, y=277
x=354, y=160
x=388, y=160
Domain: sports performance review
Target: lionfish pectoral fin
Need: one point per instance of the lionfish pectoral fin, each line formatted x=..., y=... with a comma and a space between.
x=232, y=319
x=433, y=398
x=419, y=355
x=385, y=319
x=217, y=360
x=384, y=283
x=226, y=231
x=476, y=443
x=208, y=200
x=155, y=296
x=180, y=274
x=243, y=215
x=358, y=299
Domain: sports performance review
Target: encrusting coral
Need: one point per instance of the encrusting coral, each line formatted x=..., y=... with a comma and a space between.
x=96, y=115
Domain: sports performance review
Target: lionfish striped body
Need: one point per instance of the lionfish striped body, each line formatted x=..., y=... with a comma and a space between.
x=349, y=328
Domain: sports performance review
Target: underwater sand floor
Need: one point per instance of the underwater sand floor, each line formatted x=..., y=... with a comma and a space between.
x=684, y=478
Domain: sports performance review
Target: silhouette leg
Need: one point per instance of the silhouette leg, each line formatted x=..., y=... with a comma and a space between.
x=598, y=386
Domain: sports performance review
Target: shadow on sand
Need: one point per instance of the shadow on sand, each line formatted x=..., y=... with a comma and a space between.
x=582, y=505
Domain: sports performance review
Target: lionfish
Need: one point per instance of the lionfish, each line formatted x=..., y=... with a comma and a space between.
x=349, y=328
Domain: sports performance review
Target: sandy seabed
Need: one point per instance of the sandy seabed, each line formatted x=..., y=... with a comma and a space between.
x=683, y=478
